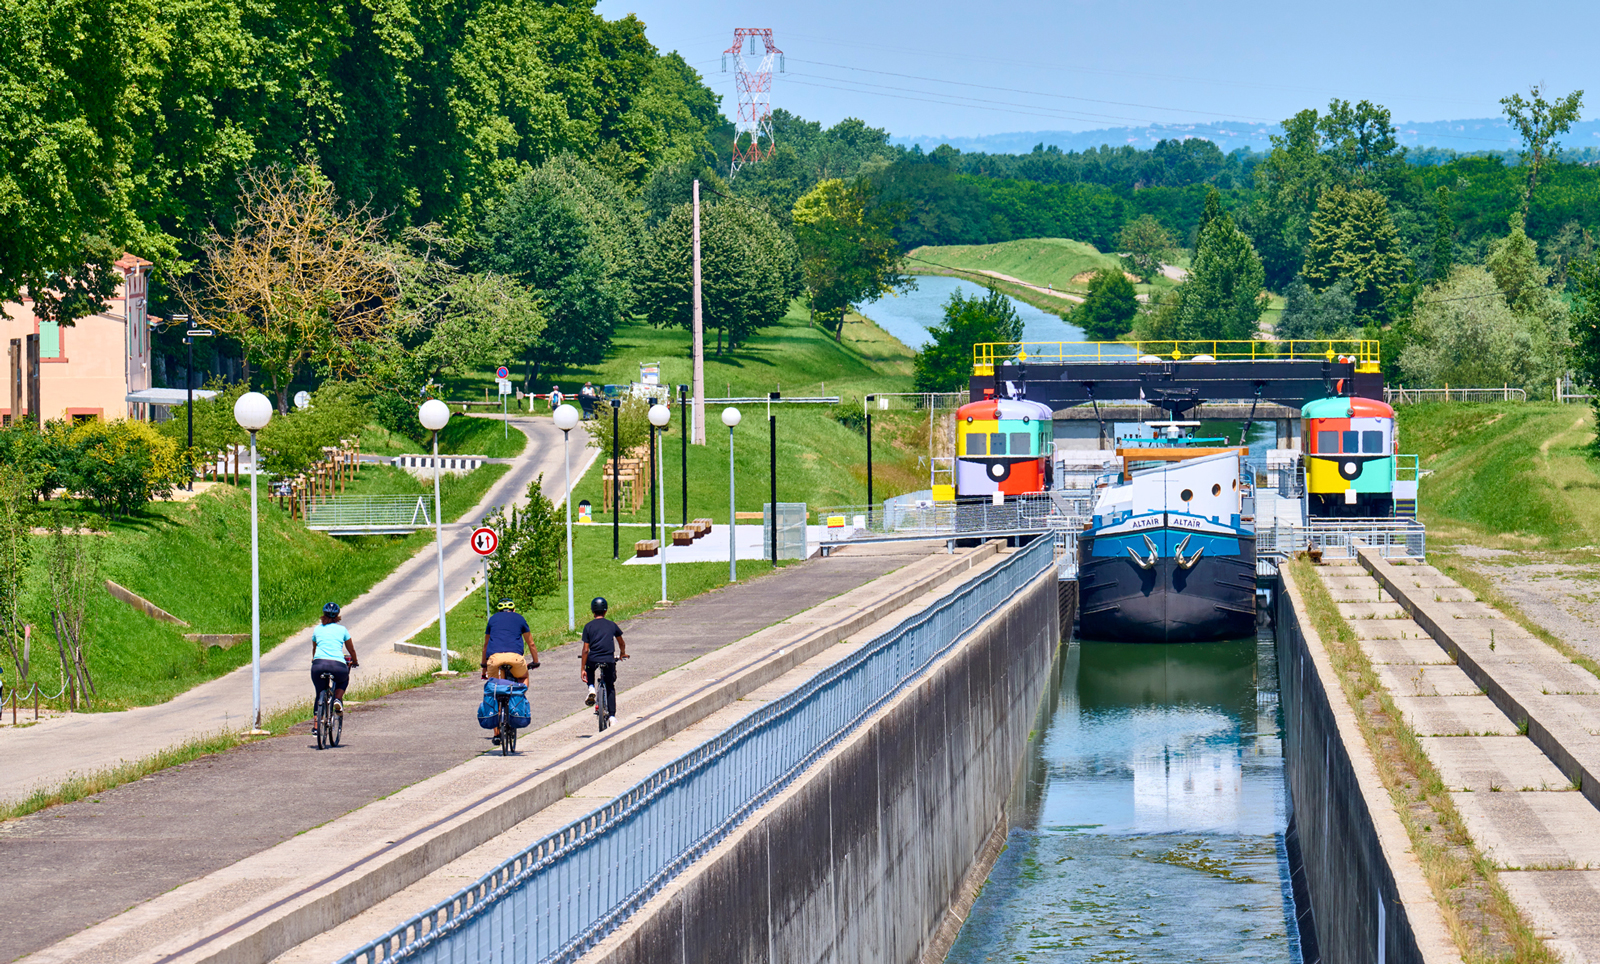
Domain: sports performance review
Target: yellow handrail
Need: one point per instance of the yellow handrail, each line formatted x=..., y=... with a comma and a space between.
x=986, y=355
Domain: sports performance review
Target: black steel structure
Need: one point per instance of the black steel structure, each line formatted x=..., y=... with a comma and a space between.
x=1176, y=385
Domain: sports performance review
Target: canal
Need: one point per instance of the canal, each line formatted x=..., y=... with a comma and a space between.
x=1148, y=824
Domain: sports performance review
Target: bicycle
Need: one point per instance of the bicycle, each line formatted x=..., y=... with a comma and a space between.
x=604, y=707
x=508, y=725
x=328, y=719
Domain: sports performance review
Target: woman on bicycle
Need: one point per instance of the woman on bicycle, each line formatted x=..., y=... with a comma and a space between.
x=333, y=652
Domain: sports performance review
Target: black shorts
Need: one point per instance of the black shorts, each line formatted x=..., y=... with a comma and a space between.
x=340, y=671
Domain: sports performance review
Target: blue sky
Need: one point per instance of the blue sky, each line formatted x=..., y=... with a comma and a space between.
x=913, y=67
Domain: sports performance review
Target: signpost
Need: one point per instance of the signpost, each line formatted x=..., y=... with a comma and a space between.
x=302, y=400
x=484, y=542
x=502, y=376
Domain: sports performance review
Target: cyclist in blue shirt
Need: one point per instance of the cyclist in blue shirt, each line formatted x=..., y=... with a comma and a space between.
x=332, y=651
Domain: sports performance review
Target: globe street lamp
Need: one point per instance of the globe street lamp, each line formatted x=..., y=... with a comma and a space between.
x=566, y=419
x=435, y=415
x=730, y=418
x=253, y=411
x=660, y=415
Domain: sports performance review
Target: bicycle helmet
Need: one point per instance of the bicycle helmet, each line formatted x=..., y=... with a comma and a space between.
x=331, y=609
x=505, y=604
x=598, y=605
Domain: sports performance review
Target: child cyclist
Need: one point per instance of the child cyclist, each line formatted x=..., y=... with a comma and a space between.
x=603, y=645
x=332, y=652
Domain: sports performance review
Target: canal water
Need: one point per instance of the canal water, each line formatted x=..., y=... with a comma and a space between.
x=1149, y=822
x=907, y=316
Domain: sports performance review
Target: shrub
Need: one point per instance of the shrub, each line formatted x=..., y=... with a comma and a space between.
x=119, y=465
x=528, y=563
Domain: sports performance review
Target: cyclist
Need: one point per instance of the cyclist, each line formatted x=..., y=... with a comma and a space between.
x=504, y=639
x=603, y=645
x=332, y=651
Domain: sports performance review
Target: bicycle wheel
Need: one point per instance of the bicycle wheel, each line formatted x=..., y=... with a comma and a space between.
x=317, y=721
x=335, y=722
x=506, y=732
x=602, y=704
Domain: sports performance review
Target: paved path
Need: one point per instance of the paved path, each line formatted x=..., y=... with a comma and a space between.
x=395, y=609
x=77, y=864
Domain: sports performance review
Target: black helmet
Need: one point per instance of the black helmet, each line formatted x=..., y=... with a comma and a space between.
x=598, y=605
x=331, y=609
x=505, y=604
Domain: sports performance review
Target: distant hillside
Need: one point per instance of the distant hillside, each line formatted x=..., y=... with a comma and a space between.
x=1464, y=136
x=1053, y=263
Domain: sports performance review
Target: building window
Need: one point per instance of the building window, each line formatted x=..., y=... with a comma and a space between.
x=49, y=339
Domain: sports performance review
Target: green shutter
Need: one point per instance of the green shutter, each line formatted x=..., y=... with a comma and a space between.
x=49, y=339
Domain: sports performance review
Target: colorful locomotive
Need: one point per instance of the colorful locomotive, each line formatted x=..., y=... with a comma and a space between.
x=1350, y=457
x=1003, y=445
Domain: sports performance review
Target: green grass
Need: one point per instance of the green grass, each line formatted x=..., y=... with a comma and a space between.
x=630, y=590
x=821, y=462
x=463, y=435
x=1506, y=475
x=792, y=357
x=1055, y=262
x=193, y=560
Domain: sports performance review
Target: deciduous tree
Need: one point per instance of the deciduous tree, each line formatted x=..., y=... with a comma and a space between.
x=1540, y=122
x=1223, y=298
x=845, y=234
x=1109, y=309
x=1144, y=244
x=945, y=364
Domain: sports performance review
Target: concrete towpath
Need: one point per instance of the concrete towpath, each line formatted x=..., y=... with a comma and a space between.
x=395, y=609
x=75, y=865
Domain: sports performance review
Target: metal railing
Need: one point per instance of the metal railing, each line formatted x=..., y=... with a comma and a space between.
x=369, y=514
x=1396, y=538
x=558, y=898
x=1416, y=396
x=986, y=355
x=930, y=519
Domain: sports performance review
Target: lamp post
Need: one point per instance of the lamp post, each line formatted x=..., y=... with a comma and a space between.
x=730, y=418
x=188, y=384
x=616, y=484
x=654, y=481
x=683, y=465
x=868, y=406
x=253, y=411
x=660, y=415
x=435, y=415
x=772, y=471
x=566, y=419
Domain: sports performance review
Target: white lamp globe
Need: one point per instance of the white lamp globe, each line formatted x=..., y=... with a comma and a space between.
x=252, y=411
x=434, y=414
x=660, y=415
x=731, y=416
x=566, y=418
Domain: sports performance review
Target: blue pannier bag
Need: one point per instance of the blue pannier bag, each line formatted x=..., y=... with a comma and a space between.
x=489, y=709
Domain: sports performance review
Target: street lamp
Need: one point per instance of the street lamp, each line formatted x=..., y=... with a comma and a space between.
x=566, y=419
x=616, y=485
x=730, y=418
x=772, y=471
x=867, y=406
x=253, y=411
x=435, y=415
x=660, y=415
x=654, y=475
x=683, y=466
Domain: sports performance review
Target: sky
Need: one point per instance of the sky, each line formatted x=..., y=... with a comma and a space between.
x=995, y=66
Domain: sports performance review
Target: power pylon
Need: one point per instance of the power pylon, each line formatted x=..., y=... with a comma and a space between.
x=755, y=93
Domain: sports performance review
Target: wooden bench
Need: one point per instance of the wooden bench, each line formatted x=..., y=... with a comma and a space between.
x=701, y=527
x=645, y=548
x=757, y=516
x=683, y=537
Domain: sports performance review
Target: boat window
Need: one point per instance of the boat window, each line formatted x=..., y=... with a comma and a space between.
x=1186, y=494
x=1351, y=446
x=977, y=443
x=1372, y=443
x=1020, y=443
x=1327, y=443
x=997, y=443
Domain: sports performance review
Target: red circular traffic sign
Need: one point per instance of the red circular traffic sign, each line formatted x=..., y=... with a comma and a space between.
x=485, y=540
x=502, y=372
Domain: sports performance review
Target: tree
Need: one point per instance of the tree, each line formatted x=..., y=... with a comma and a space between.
x=1308, y=314
x=1514, y=262
x=1540, y=122
x=1586, y=329
x=848, y=254
x=1444, y=236
x=16, y=558
x=529, y=561
x=1223, y=298
x=1360, y=144
x=1145, y=244
x=73, y=565
x=547, y=233
x=1109, y=309
x=1464, y=333
x=122, y=464
x=633, y=426
x=298, y=280
x=945, y=364
x=749, y=271
x=1353, y=238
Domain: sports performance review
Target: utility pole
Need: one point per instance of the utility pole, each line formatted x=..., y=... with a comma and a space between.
x=699, y=435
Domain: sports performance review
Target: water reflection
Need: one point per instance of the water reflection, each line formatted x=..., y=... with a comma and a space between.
x=907, y=316
x=1148, y=825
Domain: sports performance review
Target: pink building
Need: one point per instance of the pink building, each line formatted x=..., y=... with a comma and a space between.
x=84, y=370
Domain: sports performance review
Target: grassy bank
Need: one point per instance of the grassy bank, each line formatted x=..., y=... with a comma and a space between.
x=1058, y=263
x=793, y=357
x=193, y=560
x=1506, y=475
x=463, y=435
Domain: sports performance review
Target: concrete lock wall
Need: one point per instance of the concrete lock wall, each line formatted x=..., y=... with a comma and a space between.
x=861, y=859
x=1356, y=906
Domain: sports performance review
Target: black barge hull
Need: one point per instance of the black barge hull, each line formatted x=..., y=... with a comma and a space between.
x=1120, y=602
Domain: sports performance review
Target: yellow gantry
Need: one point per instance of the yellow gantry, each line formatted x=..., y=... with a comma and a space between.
x=986, y=355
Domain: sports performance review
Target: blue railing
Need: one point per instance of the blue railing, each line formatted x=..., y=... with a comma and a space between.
x=557, y=899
